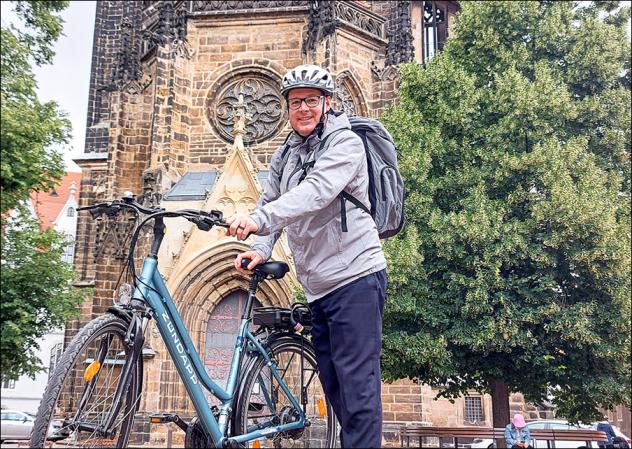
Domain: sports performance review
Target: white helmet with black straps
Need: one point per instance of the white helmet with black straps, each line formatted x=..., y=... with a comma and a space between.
x=308, y=75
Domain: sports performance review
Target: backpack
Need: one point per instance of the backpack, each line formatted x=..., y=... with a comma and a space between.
x=386, y=187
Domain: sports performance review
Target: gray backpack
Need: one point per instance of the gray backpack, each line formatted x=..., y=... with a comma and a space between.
x=386, y=187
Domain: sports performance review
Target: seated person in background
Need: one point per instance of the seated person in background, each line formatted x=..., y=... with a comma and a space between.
x=517, y=434
x=606, y=427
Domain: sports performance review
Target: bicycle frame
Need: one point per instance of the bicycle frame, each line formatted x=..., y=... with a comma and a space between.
x=153, y=291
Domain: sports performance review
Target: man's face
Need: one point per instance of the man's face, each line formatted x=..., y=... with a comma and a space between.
x=305, y=118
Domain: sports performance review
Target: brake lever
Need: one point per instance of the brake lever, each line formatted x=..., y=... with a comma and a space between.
x=223, y=224
x=203, y=223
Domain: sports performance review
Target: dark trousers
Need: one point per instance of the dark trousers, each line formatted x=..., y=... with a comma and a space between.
x=347, y=336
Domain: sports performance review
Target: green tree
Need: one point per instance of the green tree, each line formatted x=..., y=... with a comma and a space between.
x=514, y=271
x=29, y=129
x=36, y=292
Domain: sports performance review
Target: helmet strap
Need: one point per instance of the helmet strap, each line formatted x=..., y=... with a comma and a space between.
x=321, y=123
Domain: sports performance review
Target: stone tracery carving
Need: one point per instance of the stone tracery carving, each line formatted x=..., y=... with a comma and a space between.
x=113, y=235
x=216, y=5
x=360, y=18
x=326, y=15
x=264, y=108
x=99, y=183
x=344, y=100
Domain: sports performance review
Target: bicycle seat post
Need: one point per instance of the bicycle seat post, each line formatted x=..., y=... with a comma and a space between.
x=255, y=279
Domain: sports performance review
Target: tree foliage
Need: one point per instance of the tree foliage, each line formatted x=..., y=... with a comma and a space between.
x=515, y=265
x=29, y=129
x=36, y=292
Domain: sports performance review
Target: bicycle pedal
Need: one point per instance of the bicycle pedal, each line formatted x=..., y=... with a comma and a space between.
x=166, y=418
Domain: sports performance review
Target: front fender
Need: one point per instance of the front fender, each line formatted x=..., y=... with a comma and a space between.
x=121, y=313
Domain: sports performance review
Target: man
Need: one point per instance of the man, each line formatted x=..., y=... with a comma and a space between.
x=343, y=274
x=517, y=433
x=606, y=427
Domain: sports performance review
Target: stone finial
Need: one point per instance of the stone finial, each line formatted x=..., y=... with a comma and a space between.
x=73, y=188
x=240, y=116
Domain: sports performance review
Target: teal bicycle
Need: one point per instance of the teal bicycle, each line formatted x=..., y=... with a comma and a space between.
x=273, y=396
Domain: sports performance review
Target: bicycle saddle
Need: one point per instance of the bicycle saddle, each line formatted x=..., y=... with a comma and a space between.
x=271, y=270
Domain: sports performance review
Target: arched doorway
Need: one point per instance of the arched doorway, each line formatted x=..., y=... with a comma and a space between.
x=221, y=331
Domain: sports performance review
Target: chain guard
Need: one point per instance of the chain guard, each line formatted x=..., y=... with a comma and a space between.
x=289, y=415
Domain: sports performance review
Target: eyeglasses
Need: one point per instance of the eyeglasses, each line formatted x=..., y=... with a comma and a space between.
x=310, y=102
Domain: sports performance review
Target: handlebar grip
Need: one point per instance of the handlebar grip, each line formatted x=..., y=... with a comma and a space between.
x=245, y=263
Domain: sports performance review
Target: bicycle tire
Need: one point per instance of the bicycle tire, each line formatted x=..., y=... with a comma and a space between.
x=251, y=408
x=101, y=339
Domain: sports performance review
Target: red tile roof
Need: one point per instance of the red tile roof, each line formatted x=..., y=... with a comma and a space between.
x=48, y=205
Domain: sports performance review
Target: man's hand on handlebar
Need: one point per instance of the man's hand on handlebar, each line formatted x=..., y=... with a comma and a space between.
x=241, y=226
x=255, y=259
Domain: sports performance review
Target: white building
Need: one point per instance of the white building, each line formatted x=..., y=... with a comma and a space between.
x=58, y=209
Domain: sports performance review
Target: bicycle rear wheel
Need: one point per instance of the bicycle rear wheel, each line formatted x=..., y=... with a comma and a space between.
x=262, y=403
x=79, y=407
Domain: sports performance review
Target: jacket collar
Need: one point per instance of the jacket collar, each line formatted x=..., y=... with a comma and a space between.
x=336, y=121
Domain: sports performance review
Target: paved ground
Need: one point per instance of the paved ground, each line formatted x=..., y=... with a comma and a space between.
x=24, y=444
x=8, y=444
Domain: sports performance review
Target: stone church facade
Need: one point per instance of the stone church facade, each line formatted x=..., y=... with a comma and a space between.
x=168, y=79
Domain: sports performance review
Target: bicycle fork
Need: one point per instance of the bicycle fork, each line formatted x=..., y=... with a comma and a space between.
x=134, y=339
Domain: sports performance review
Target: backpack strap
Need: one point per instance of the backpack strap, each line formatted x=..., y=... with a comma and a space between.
x=344, y=196
x=284, y=155
x=322, y=146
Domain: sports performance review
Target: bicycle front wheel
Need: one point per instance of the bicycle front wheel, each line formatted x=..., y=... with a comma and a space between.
x=89, y=401
x=262, y=402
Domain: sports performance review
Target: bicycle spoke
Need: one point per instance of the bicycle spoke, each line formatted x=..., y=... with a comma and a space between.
x=85, y=404
x=266, y=404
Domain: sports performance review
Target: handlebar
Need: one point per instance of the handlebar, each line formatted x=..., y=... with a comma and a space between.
x=202, y=219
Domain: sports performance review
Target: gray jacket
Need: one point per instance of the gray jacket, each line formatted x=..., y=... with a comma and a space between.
x=326, y=258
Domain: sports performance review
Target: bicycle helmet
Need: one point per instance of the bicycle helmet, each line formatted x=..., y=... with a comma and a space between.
x=308, y=75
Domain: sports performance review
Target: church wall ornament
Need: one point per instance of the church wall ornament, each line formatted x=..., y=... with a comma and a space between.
x=141, y=33
x=245, y=5
x=360, y=19
x=383, y=72
x=348, y=97
x=113, y=235
x=400, y=40
x=265, y=109
x=325, y=16
x=321, y=22
x=151, y=195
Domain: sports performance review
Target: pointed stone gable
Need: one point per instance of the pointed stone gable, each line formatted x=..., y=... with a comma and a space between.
x=236, y=191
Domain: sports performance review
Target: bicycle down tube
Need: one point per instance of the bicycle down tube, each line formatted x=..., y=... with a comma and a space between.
x=153, y=290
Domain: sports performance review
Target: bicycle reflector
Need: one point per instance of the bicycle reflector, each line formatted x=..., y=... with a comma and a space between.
x=91, y=370
x=321, y=407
